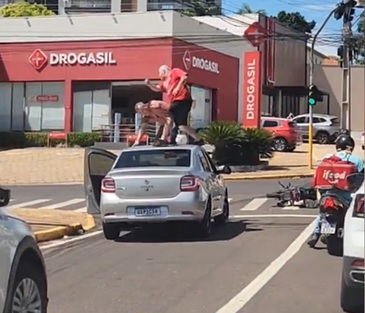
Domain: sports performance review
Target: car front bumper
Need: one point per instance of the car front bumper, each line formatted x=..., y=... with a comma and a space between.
x=187, y=206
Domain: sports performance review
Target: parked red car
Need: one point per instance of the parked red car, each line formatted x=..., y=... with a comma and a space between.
x=285, y=132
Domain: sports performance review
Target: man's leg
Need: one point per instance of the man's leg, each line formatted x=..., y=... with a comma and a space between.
x=316, y=233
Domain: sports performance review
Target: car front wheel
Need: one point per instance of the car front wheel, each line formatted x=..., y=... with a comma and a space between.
x=30, y=290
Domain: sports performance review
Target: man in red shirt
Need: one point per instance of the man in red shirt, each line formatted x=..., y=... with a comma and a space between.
x=157, y=112
x=173, y=83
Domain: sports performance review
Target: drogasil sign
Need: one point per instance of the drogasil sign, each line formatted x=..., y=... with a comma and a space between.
x=38, y=59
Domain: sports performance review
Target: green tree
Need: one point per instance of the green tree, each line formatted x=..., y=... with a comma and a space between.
x=246, y=9
x=201, y=8
x=23, y=9
x=295, y=21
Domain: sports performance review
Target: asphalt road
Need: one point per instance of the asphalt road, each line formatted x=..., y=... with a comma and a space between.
x=238, y=190
x=256, y=263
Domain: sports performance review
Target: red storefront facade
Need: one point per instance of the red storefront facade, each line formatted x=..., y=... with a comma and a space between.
x=102, y=62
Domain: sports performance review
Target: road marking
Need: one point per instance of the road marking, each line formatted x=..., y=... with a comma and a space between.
x=291, y=208
x=254, y=204
x=272, y=215
x=246, y=294
x=81, y=210
x=29, y=203
x=62, y=204
x=67, y=241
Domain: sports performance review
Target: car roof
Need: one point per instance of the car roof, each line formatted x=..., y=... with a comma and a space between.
x=169, y=147
x=274, y=118
x=317, y=115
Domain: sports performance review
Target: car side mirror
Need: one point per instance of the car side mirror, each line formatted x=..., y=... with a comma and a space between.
x=4, y=197
x=224, y=169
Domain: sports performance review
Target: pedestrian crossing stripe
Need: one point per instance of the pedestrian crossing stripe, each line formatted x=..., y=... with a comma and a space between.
x=79, y=205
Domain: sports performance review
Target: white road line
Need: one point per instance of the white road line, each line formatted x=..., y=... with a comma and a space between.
x=246, y=294
x=65, y=242
x=272, y=215
x=81, y=210
x=254, y=204
x=291, y=208
x=29, y=203
x=63, y=204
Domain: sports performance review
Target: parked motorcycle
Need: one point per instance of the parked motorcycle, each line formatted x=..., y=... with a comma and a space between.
x=333, y=207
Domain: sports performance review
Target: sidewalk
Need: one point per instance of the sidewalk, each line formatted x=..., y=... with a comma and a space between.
x=54, y=224
x=34, y=166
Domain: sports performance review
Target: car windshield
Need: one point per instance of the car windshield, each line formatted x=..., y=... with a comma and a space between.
x=154, y=158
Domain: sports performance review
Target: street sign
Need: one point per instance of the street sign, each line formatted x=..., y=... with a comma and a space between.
x=255, y=34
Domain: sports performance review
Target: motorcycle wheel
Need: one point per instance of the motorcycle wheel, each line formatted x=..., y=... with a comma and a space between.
x=334, y=246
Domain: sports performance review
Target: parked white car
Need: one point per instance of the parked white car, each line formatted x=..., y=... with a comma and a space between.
x=352, y=286
x=23, y=281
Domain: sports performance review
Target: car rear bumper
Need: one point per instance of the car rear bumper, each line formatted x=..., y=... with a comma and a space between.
x=185, y=207
x=353, y=276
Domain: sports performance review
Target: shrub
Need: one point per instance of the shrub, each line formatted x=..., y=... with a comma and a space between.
x=235, y=145
x=39, y=139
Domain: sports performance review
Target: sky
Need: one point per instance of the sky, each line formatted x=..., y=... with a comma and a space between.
x=328, y=40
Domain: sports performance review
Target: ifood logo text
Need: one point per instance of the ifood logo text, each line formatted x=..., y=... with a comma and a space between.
x=191, y=61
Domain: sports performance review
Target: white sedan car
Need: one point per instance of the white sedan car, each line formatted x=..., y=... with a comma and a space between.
x=352, y=286
x=23, y=282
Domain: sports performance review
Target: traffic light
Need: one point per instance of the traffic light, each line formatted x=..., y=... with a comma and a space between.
x=346, y=10
x=314, y=95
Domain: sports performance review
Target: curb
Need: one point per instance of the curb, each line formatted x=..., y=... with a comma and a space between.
x=61, y=231
x=262, y=177
x=33, y=184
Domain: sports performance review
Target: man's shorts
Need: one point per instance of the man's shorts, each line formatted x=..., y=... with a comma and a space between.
x=180, y=110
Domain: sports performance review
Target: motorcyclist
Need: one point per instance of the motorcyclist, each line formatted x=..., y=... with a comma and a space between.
x=345, y=145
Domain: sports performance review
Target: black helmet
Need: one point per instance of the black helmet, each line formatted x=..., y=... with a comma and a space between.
x=345, y=142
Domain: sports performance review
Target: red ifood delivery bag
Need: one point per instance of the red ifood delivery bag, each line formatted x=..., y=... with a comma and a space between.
x=332, y=173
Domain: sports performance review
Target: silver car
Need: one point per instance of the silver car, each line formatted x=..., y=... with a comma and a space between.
x=23, y=281
x=155, y=185
x=326, y=128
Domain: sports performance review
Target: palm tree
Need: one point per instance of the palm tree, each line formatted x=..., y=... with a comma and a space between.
x=246, y=9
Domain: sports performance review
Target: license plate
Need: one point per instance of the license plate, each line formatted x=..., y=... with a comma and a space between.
x=328, y=229
x=147, y=212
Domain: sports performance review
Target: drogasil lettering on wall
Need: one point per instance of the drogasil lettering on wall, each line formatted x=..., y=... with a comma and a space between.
x=98, y=58
x=206, y=65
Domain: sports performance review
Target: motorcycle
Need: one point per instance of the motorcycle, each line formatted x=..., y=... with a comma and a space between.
x=290, y=195
x=332, y=208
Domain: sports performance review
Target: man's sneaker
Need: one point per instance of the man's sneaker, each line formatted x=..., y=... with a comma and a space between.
x=313, y=240
x=160, y=143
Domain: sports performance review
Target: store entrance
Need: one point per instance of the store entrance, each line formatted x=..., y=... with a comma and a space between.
x=124, y=97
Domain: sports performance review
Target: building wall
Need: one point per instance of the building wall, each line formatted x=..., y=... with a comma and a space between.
x=329, y=79
x=318, y=57
x=220, y=73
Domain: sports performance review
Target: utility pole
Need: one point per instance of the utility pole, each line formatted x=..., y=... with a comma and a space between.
x=346, y=65
x=311, y=83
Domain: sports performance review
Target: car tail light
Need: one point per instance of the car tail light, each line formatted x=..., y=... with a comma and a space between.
x=359, y=206
x=189, y=183
x=108, y=185
x=358, y=263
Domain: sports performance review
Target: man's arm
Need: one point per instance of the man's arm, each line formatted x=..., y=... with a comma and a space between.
x=153, y=87
x=182, y=81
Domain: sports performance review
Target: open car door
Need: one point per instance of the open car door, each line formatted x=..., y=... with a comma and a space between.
x=97, y=163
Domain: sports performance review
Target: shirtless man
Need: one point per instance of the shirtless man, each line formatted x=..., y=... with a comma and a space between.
x=155, y=111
